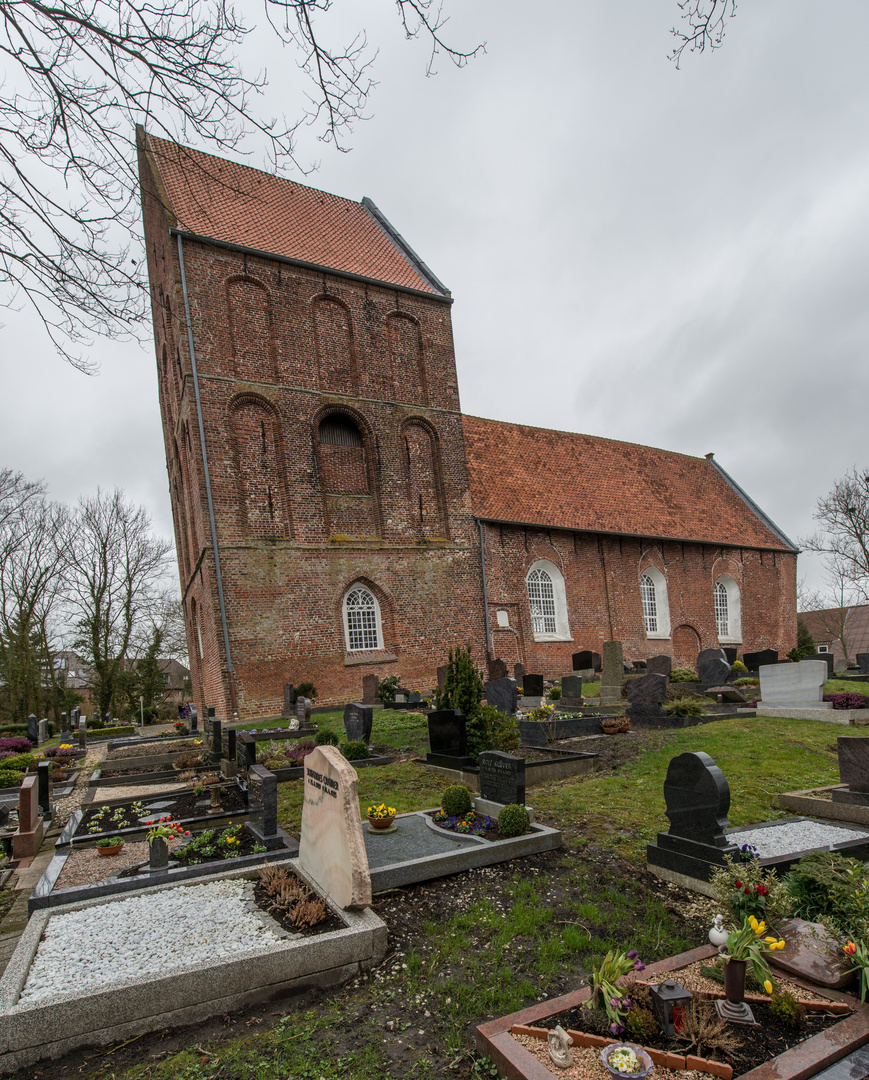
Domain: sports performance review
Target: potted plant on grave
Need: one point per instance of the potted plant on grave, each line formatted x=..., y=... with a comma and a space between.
x=748, y=946
x=381, y=817
x=110, y=845
x=611, y=725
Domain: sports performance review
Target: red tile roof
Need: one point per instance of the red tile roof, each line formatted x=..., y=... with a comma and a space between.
x=240, y=205
x=588, y=484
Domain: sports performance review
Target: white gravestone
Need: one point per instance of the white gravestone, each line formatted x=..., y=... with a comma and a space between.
x=332, y=848
x=799, y=684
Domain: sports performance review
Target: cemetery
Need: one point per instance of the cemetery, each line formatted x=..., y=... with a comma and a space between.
x=539, y=819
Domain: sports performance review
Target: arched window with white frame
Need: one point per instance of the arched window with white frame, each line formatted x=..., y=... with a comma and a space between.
x=363, y=630
x=728, y=609
x=547, y=600
x=656, y=606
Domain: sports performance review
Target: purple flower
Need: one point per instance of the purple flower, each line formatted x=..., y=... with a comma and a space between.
x=616, y=1002
x=626, y=1003
x=632, y=955
x=617, y=1029
x=639, y=967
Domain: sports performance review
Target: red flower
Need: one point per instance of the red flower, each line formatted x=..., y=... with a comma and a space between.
x=761, y=890
x=186, y=832
x=747, y=890
x=849, y=949
x=739, y=885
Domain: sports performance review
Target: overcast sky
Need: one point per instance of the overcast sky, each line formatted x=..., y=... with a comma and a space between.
x=678, y=258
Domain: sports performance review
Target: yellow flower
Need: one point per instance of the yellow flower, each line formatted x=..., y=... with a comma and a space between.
x=752, y=922
x=760, y=928
x=768, y=986
x=770, y=940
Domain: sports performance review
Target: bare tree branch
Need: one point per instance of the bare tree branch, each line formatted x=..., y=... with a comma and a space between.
x=706, y=24
x=844, y=534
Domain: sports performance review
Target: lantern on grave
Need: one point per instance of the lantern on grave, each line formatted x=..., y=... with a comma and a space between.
x=670, y=1002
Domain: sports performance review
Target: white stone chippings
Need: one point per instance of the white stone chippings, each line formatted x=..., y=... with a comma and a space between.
x=793, y=836
x=144, y=936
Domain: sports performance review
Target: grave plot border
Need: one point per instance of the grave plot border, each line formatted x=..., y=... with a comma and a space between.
x=123, y=1009
x=472, y=852
x=297, y=772
x=495, y=1041
x=845, y=717
x=536, y=772
x=807, y=802
x=45, y=895
x=97, y=780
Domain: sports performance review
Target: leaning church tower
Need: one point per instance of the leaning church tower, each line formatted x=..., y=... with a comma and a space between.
x=313, y=436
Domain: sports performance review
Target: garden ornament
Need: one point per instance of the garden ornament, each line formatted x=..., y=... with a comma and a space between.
x=559, y=1047
x=717, y=934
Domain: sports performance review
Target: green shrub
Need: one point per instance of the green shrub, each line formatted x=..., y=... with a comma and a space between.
x=10, y=778
x=17, y=763
x=738, y=668
x=641, y=1024
x=555, y=692
x=684, y=674
x=109, y=732
x=95, y=722
x=786, y=1009
x=730, y=881
x=387, y=688
x=456, y=801
x=327, y=738
x=514, y=820
x=829, y=888
x=355, y=751
x=747, y=680
x=306, y=689
x=463, y=685
x=13, y=729
x=684, y=707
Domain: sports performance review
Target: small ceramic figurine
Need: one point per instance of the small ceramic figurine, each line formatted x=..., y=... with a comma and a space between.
x=559, y=1047
x=717, y=934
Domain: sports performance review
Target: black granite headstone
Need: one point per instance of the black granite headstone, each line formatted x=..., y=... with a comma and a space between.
x=659, y=665
x=82, y=733
x=107, y=717
x=442, y=676
x=216, y=741
x=231, y=744
x=43, y=774
x=502, y=777
x=64, y=723
x=414, y=697
x=502, y=694
x=853, y=770
x=518, y=672
x=33, y=728
x=289, y=700
x=712, y=667
x=647, y=693
x=158, y=853
x=263, y=800
x=246, y=754
x=357, y=722
x=571, y=691
x=446, y=734
x=697, y=797
x=862, y=659
x=583, y=661
x=370, y=688
x=731, y=656
x=754, y=660
x=193, y=718
x=532, y=686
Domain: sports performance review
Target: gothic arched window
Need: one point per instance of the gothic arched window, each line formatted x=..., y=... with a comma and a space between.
x=548, y=602
x=362, y=626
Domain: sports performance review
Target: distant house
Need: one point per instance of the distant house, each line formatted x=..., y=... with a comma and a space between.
x=842, y=631
x=177, y=679
x=76, y=673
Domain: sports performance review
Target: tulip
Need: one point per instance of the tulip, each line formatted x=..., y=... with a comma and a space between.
x=768, y=986
x=850, y=948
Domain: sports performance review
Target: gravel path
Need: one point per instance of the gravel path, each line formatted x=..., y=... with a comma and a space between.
x=133, y=939
x=793, y=836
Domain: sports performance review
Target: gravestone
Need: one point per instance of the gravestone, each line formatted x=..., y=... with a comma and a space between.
x=828, y=658
x=289, y=700
x=660, y=665
x=800, y=685
x=532, y=686
x=370, y=686
x=158, y=853
x=357, y=722
x=613, y=677
x=193, y=718
x=712, y=667
x=43, y=731
x=303, y=711
x=447, y=739
x=246, y=754
x=754, y=660
x=33, y=728
x=263, y=801
x=853, y=770
x=726, y=693
x=518, y=672
x=332, y=848
x=107, y=717
x=442, y=676
x=697, y=798
x=862, y=659
x=497, y=670
x=216, y=741
x=811, y=952
x=646, y=694
x=586, y=660
x=27, y=840
x=414, y=697
x=64, y=723
x=571, y=692
x=44, y=785
x=502, y=777
x=82, y=733
x=730, y=655
x=502, y=694
x=229, y=763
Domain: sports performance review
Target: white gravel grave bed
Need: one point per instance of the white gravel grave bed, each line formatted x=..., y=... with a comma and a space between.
x=792, y=836
x=136, y=937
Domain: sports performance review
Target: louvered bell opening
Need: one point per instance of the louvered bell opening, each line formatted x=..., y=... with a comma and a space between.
x=339, y=431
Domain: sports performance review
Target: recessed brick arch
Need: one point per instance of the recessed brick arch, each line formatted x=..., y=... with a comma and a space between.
x=686, y=645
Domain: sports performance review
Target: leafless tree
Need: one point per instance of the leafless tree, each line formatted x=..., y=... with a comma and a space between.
x=115, y=584
x=33, y=555
x=843, y=537
x=80, y=74
x=703, y=26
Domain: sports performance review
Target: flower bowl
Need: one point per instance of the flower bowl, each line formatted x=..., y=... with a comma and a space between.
x=623, y=1053
x=382, y=822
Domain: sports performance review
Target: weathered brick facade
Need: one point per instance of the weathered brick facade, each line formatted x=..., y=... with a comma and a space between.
x=337, y=455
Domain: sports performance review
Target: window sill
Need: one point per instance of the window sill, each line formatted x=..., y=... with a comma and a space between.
x=657, y=636
x=378, y=656
x=730, y=640
x=553, y=637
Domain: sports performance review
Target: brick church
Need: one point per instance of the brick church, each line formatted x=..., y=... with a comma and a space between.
x=336, y=514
